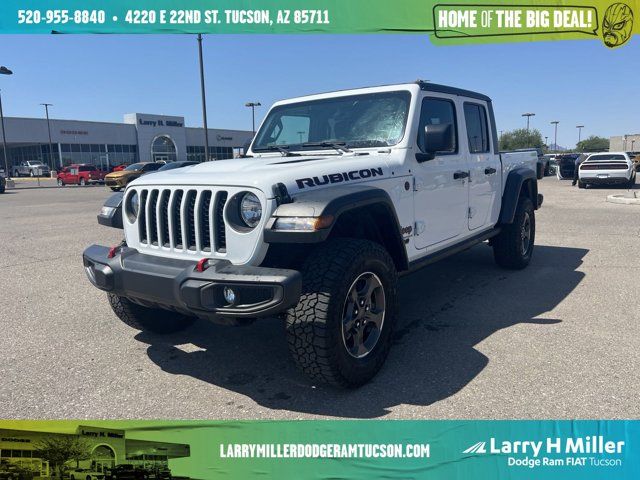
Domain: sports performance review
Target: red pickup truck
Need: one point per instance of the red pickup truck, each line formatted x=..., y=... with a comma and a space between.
x=80, y=175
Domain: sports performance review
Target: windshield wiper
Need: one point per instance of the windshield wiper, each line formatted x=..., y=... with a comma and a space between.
x=339, y=146
x=284, y=151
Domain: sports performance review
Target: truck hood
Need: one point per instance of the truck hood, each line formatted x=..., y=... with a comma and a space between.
x=296, y=173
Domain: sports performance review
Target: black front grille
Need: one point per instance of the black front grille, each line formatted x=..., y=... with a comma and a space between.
x=205, y=221
x=221, y=234
x=177, y=219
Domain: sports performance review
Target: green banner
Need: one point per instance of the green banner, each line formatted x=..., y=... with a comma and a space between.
x=328, y=449
x=447, y=23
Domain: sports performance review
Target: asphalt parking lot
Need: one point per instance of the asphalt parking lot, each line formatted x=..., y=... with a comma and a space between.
x=557, y=340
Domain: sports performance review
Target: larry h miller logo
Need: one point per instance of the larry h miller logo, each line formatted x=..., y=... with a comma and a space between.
x=591, y=451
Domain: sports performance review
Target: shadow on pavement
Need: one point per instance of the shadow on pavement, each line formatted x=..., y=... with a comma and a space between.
x=445, y=310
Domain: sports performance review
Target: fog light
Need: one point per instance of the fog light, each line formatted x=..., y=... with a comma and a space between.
x=229, y=295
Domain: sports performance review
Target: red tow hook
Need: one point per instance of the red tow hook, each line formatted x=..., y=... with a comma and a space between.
x=113, y=251
x=202, y=265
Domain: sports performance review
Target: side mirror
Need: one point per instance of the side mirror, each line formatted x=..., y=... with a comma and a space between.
x=435, y=138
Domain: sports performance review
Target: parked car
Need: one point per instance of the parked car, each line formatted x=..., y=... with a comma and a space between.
x=80, y=175
x=126, y=471
x=174, y=165
x=118, y=180
x=31, y=168
x=566, y=165
x=635, y=158
x=83, y=474
x=549, y=160
x=319, y=231
x=610, y=168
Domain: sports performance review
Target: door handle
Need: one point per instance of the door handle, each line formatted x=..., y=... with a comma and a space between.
x=460, y=174
x=489, y=171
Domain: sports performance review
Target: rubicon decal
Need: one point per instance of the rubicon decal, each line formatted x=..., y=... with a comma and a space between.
x=339, y=177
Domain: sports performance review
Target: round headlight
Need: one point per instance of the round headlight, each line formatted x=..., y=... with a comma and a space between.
x=134, y=205
x=250, y=210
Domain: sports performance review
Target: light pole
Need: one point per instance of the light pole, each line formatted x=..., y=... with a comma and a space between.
x=555, y=135
x=546, y=144
x=253, y=106
x=579, y=127
x=46, y=110
x=204, y=100
x=4, y=71
x=632, y=144
x=528, y=115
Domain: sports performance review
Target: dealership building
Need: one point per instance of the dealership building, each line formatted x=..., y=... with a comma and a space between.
x=140, y=138
x=625, y=143
x=106, y=447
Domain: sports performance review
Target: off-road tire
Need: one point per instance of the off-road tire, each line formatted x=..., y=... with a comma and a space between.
x=154, y=320
x=314, y=325
x=581, y=184
x=507, y=245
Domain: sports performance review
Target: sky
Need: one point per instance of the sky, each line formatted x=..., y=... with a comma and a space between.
x=102, y=77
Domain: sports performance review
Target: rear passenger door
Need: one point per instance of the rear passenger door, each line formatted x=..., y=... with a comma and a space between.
x=484, y=166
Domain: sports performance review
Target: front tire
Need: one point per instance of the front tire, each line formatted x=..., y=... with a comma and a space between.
x=340, y=331
x=115, y=189
x=60, y=183
x=154, y=320
x=83, y=182
x=513, y=247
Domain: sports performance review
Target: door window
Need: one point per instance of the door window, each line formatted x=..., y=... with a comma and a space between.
x=475, y=117
x=438, y=111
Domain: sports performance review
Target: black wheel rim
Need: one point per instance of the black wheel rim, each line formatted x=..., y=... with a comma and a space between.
x=363, y=315
x=525, y=234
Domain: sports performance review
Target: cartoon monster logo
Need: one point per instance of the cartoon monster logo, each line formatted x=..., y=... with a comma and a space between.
x=617, y=25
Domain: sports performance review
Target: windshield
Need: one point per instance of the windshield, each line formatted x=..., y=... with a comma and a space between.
x=135, y=166
x=369, y=120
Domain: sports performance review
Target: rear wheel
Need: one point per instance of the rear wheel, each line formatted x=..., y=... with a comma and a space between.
x=513, y=247
x=340, y=331
x=154, y=320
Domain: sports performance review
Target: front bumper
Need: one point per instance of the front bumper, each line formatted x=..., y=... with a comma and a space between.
x=175, y=284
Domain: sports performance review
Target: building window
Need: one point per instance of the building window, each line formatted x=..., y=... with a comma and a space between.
x=163, y=149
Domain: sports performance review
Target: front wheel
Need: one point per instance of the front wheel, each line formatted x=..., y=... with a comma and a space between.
x=31, y=174
x=115, y=189
x=513, y=247
x=340, y=330
x=60, y=183
x=154, y=320
x=83, y=182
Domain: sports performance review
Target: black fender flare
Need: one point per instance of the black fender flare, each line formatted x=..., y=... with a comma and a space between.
x=516, y=179
x=114, y=217
x=334, y=201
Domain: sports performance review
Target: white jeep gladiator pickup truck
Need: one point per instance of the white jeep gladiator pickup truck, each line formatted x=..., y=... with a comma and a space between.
x=341, y=193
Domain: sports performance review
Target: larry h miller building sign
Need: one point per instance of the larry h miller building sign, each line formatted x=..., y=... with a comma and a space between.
x=141, y=138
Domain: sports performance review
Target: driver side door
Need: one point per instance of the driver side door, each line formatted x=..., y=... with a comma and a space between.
x=441, y=186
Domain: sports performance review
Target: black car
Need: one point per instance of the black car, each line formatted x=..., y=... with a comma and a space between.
x=3, y=183
x=172, y=165
x=125, y=472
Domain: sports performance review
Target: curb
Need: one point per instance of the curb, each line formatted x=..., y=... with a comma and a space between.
x=629, y=198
